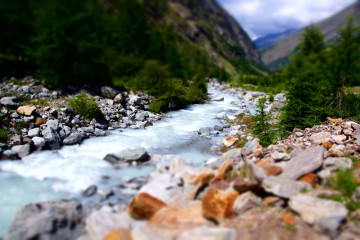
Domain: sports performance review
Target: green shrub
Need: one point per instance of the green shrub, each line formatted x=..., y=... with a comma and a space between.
x=5, y=134
x=86, y=107
x=345, y=182
x=271, y=98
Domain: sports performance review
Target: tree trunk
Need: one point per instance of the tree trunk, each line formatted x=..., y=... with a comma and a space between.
x=342, y=90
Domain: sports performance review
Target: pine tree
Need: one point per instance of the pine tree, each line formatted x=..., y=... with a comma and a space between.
x=261, y=124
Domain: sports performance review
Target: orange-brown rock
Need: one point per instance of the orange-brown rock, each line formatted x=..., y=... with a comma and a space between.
x=271, y=201
x=334, y=120
x=327, y=144
x=223, y=169
x=26, y=110
x=242, y=185
x=203, y=178
x=217, y=205
x=143, y=206
x=335, y=153
x=310, y=178
x=40, y=121
x=264, y=163
x=258, y=152
x=357, y=165
x=273, y=171
x=170, y=218
x=288, y=218
x=119, y=234
x=229, y=141
x=13, y=124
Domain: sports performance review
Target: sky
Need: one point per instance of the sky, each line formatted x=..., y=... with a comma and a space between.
x=261, y=17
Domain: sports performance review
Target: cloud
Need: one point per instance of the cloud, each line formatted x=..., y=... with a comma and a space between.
x=261, y=17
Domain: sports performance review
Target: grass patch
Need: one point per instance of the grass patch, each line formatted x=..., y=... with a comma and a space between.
x=86, y=107
x=289, y=227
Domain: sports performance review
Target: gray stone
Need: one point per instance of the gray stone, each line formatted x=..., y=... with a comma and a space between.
x=278, y=156
x=89, y=129
x=99, y=133
x=51, y=220
x=284, y=188
x=29, y=119
x=21, y=150
x=135, y=100
x=204, y=131
x=90, y=191
x=9, y=101
x=35, y=132
x=52, y=138
x=245, y=202
x=356, y=195
x=321, y=137
x=39, y=142
x=221, y=115
x=208, y=233
x=9, y=155
x=304, y=163
x=324, y=213
x=219, y=99
x=128, y=155
x=119, y=98
x=73, y=138
x=111, y=158
x=140, y=117
x=108, y=92
x=54, y=124
x=335, y=163
x=218, y=128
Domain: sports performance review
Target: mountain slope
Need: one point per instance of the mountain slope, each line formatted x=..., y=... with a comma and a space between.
x=277, y=54
x=272, y=38
x=209, y=27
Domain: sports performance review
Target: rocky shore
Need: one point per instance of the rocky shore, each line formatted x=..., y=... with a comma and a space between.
x=284, y=191
x=40, y=119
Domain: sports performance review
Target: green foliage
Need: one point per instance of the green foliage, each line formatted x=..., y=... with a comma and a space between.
x=86, y=107
x=261, y=125
x=5, y=134
x=345, y=182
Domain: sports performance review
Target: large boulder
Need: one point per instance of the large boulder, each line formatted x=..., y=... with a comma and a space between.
x=52, y=138
x=320, y=138
x=73, y=138
x=335, y=163
x=35, y=132
x=39, y=142
x=26, y=110
x=284, y=188
x=303, y=163
x=144, y=206
x=54, y=124
x=129, y=155
x=108, y=92
x=21, y=150
x=9, y=155
x=51, y=220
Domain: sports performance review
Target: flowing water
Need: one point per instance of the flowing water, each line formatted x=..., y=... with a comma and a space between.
x=54, y=175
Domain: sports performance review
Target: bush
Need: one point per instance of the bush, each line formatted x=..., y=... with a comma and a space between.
x=86, y=107
x=345, y=182
x=5, y=134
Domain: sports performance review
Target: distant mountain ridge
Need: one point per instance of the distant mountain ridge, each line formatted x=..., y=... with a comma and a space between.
x=277, y=55
x=272, y=38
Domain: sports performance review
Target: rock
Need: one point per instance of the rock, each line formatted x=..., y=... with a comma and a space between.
x=335, y=152
x=51, y=220
x=119, y=98
x=273, y=170
x=29, y=119
x=309, y=178
x=221, y=115
x=9, y=101
x=229, y=141
x=99, y=133
x=245, y=202
x=335, y=163
x=135, y=100
x=35, y=132
x=40, y=121
x=305, y=162
x=317, y=211
x=26, y=110
x=9, y=155
x=39, y=142
x=73, y=138
x=339, y=139
x=284, y=188
x=233, y=154
x=140, y=116
x=218, y=128
x=218, y=205
x=208, y=233
x=320, y=138
x=356, y=195
x=129, y=155
x=327, y=144
x=278, y=156
x=108, y=92
x=54, y=124
x=288, y=218
x=143, y=206
x=219, y=99
x=90, y=191
x=205, y=131
x=119, y=234
x=52, y=138
x=89, y=129
x=21, y=150
x=223, y=169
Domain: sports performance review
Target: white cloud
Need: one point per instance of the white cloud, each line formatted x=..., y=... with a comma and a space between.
x=261, y=17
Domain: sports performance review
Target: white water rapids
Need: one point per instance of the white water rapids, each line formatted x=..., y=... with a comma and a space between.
x=50, y=175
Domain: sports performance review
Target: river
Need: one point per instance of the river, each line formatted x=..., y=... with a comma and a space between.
x=64, y=174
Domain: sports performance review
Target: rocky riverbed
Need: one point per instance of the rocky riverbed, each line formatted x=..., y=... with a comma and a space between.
x=247, y=192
